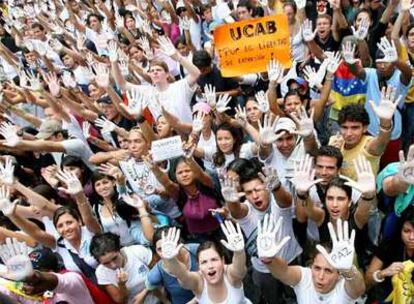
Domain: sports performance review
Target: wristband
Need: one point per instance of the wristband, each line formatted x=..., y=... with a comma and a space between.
x=349, y=275
x=376, y=278
x=368, y=199
x=385, y=129
x=302, y=197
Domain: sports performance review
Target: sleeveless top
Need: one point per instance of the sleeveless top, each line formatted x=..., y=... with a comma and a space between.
x=234, y=295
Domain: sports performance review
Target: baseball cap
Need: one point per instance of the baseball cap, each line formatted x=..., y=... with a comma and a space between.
x=48, y=128
x=45, y=259
x=202, y=107
x=285, y=124
x=299, y=80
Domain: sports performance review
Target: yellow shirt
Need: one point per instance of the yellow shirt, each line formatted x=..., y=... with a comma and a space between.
x=348, y=168
x=404, y=56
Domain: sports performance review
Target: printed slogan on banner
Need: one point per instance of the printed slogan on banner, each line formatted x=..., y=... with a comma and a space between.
x=248, y=46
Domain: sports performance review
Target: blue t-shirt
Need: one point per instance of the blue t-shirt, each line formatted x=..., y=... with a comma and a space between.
x=158, y=277
x=374, y=94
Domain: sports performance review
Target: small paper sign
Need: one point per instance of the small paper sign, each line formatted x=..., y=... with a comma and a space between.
x=166, y=148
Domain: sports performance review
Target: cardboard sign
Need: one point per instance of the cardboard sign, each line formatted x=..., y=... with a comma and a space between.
x=166, y=148
x=248, y=46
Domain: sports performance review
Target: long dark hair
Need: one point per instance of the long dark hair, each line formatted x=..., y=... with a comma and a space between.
x=218, y=157
x=182, y=196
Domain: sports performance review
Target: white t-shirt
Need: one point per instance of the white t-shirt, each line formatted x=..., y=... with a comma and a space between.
x=100, y=39
x=312, y=228
x=175, y=99
x=209, y=146
x=83, y=252
x=138, y=258
x=249, y=226
x=306, y=293
x=76, y=147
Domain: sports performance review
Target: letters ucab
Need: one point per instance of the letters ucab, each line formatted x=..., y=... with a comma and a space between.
x=252, y=30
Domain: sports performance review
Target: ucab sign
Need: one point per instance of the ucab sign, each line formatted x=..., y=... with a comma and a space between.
x=248, y=46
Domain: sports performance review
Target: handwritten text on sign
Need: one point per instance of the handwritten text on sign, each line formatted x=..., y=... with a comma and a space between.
x=167, y=148
x=248, y=46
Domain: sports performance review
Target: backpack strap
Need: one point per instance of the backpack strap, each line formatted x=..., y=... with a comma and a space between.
x=87, y=270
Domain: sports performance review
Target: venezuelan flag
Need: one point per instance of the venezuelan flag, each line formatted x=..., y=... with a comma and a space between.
x=347, y=88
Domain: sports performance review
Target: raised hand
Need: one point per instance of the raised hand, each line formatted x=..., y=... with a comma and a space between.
x=267, y=133
x=262, y=101
x=198, y=122
x=406, y=168
x=86, y=129
x=222, y=103
x=275, y=71
x=300, y=4
x=308, y=33
x=119, y=22
x=267, y=244
x=106, y=125
x=123, y=62
x=342, y=255
x=133, y=200
x=143, y=41
x=9, y=133
x=406, y=5
x=15, y=255
x=136, y=103
x=101, y=75
x=304, y=175
x=146, y=27
x=270, y=178
x=366, y=177
x=362, y=31
x=121, y=276
x=6, y=206
x=68, y=80
x=388, y=49
x=348, y=52
x=210, y=95
x=334, y=60
x=111, y=170
x=312, y=77
x=112, y=51
x=73, y=185
x=184, y=24
x=56, y=45
x=34, y=81
x=166, y=46
x=53, y=84
x=388, y=104
x=304, y=122
x=80, y=42
x=234, y=236
x=241, y=116
x=7, y=172
x=169, y=243
x=229, y=190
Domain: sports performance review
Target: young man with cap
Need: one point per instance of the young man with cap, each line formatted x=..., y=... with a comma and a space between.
x=290, y=147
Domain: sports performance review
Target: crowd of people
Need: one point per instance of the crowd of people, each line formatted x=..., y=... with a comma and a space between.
x=293, y=185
